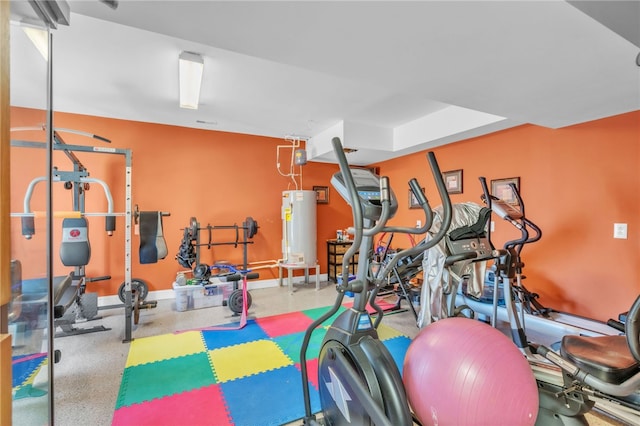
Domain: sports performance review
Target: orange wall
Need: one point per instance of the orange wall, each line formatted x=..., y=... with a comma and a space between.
x=219, y=178
x=576, y=183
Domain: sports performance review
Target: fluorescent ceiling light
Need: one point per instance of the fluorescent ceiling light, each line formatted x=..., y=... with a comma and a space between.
x=191, y=69
x=52, y=12
x=39, y=38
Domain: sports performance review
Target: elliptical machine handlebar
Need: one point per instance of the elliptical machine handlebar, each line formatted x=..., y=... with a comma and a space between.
x=415, y=188
x=526, y=239
x=358, y=220
x=424, y=203
x=356, y=208
x=512, y=215
x=500, y=207
x=385, y=199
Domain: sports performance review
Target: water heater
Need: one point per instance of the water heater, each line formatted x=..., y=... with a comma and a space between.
x=299, y=227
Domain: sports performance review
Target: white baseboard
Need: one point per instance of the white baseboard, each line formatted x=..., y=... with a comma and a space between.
x=169, y=294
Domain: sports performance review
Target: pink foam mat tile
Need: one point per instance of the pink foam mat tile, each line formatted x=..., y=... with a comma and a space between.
x=279, y=325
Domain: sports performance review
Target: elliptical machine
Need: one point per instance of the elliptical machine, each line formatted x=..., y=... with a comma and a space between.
x=594, y=366
x=543, y=320
x=358, y=380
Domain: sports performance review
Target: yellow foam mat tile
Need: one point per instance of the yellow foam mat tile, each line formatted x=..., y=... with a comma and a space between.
x=166, y=346
x=238, y=361
x=385, y=332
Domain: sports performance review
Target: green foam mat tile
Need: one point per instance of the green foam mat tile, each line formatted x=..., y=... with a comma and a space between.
x=163, y=378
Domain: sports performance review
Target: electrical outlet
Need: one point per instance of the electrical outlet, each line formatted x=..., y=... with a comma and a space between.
x=620, y=231
x=418, y=223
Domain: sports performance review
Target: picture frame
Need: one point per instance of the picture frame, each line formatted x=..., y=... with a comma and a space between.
x=501, y=188
x=453, y=181
x=413, y=201
x=322, y=194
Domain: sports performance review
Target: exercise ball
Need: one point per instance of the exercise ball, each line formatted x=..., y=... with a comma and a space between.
x=460, y=371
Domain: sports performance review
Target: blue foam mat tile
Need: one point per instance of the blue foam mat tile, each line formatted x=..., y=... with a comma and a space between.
x=284, y=399
x=215, y=339
x=23, y=366
x=398, y=346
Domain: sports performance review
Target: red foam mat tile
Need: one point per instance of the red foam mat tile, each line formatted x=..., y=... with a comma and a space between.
x=204, y=406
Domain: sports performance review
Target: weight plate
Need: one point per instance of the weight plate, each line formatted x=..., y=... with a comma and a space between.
x=235, y=301
x=202, y=271
x=137, y=286
x=193, y=228
x=252, y=226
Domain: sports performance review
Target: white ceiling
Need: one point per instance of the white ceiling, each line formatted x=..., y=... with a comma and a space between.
x=405, y=75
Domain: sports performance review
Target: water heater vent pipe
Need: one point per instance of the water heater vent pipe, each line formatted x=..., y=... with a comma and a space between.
x=298, y=158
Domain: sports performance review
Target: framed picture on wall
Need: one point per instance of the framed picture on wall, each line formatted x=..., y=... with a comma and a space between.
x=453, y=181
x=322, y=194
x=413, y=201
x=501, y=188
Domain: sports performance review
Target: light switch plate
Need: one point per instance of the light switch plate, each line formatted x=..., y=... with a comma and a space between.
x=620, y=231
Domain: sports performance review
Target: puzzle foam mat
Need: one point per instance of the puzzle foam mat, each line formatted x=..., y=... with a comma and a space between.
x=249, y=376
x=24, y=368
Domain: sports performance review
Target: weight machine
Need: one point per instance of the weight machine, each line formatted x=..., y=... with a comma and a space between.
x=79, y=181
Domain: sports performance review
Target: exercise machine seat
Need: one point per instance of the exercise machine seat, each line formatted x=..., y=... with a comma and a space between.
x=606, y=357
x=613, y=359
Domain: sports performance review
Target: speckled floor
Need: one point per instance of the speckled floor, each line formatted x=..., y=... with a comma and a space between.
x=88, y=377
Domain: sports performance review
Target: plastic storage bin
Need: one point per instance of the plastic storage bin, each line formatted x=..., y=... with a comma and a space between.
x=201, y=296
x=183, y=296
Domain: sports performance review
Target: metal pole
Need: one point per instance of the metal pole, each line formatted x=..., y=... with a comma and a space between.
x=49, y=221
x=128, y=308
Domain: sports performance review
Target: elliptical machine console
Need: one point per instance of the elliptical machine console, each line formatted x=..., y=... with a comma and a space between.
x=369, y=194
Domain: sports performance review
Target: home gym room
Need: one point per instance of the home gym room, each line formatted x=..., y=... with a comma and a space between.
x=134, y=228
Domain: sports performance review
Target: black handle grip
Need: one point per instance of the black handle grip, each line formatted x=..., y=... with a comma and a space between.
x=101, y=138
x=94, y=279
x=28, y=226
x=616, y=324
x=486, y=196
x=253, y=275
x=417, y=191
x=110, y=223
x=230, y=277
